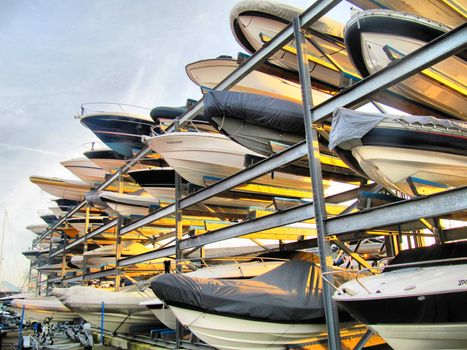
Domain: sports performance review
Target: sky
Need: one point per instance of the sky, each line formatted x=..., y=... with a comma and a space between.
x=58, y=54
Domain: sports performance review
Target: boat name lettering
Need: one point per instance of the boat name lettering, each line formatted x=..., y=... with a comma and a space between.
x=462, y=283
x=169, y=142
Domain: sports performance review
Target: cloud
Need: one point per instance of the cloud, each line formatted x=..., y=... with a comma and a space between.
x=5, y=147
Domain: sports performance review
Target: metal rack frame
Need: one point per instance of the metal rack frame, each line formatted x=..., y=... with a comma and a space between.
x=345, y=227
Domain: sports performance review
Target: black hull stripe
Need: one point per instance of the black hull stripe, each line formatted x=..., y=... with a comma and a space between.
x=425, y=309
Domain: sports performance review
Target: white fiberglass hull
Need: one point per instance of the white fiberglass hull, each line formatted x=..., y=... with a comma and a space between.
x=165, y=315
x=120, y=322
x=209, y=73
x=127, y=204
x=39, y=308
x=392, y=166
x=224, y=332
x=201, y=157
x=86, y=170
x=424, y=336
x=60, y=188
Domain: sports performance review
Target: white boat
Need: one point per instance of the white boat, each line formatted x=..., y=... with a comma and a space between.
x=110, y=161
x=201, y=158
x=37, y=228
x=129, y=204
x=39, y=308
x=411, y=154
x=236, y=270
x=61, y=188
x=36, y=254
x=160, y=183
x=376, y=38
x=209, y=73
x=418, y=302
x=254, y=23
x=122, y=312
x=451, y=13
x=86, y=170
x=277, y=309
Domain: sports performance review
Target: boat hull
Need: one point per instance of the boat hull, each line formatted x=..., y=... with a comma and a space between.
x=201, y=157
x=225, y=332
x=424, y=336
x=121, y=322
x=85, y=170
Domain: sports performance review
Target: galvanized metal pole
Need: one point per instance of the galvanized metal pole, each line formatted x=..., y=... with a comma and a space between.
x=178, y=237
x=330, y=307
x=118, y=251
x=85, y=242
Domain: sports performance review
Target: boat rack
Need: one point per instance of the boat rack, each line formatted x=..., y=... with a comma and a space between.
x=389, y=220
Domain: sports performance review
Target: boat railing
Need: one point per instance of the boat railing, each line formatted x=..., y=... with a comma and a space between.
x=102, y=107
x=389, y=267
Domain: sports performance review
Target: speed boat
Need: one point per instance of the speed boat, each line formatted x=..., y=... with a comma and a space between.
x=37, y=229
x=122, y=312
x=451, y=13
x=419, y=301
x=209, y=73
x=203, y=157
x=39, y=308
x=129, y=204
x=412, y=154
x=62, y=188
x=377, y=38
x=86, y=170
x=120, y=131
x=237, y=270
x=254, y=23
x=271, y=311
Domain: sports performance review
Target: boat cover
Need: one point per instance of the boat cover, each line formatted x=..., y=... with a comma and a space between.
x=272, y=113
x=172, y=113
x=433, y=252
x=291, y=292
x=348, y=126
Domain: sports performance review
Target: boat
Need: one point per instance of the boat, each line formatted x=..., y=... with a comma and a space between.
x=37, y=309
x=274, y=310
x=110, y=160
x=254, y=23
x=240, y=269
x=53, y=269
x=105, y=255
x=160, y=183
x=129, y=204
x=36, y=254
x=122, y=312
x=377, y=38
x=38, y=229
x=209, y=73
x=412, y=154
x=254, y=121
x=120, y=131
x=86, y=170
x=201, y=158
x=62, y=188
x=451, y=13
x=419, y=301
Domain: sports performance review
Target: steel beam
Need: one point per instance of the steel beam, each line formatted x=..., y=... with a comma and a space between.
x=439, y=204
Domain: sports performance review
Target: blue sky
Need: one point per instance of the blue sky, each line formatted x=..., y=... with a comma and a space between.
x=57, y=55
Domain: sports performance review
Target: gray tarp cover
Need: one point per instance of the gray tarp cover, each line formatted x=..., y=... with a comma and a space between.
x=349, y=126
x=290, y=292
x=273, y=113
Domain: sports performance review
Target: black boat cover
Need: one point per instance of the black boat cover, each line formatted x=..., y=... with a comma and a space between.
x=273, y=113
x=291, y=292
x=348, y=126
x=432, y=252
x=172, y=113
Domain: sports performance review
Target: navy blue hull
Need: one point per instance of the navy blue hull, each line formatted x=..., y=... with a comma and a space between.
x=122, y=134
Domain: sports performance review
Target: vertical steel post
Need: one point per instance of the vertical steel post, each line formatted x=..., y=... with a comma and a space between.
x=118, y=251
x=102, y=323
x=330, y=308
x=178, y=236
x=85, y=243
x=65, y=241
